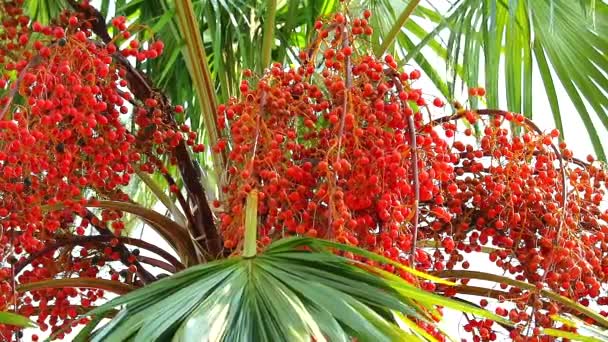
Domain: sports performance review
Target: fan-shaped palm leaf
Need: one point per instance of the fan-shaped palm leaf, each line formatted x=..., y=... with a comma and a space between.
x=295, y=290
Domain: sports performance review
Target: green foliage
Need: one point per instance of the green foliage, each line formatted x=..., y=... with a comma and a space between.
x=566, y=40
x=295, y=290
x=10, y=318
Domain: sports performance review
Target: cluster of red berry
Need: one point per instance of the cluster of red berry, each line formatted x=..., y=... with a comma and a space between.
x=64, y=144
x=345, y=147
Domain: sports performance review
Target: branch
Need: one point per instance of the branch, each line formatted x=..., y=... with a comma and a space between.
x=414, y=165
x=91, y=283
x=157, y=263
x=567, y=302
x=145, y=276
x=390, y=37
x=84, y=240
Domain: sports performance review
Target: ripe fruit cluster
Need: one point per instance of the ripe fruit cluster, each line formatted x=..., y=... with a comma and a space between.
x=64, y=102
x=362, y=159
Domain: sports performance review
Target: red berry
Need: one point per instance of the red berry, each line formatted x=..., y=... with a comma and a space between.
x=339, y=18
x=437, y=102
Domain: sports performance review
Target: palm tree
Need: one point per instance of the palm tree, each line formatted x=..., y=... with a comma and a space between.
x=209, y=44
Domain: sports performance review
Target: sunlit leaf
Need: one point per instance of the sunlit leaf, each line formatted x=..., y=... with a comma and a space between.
x=284, y=293
x=10, y=318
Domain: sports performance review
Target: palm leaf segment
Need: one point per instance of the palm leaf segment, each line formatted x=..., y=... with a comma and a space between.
x=10, y=318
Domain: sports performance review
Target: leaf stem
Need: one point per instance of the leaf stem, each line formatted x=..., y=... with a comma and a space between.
x=267, y=43
x=569, y=303
x=92, y=283
x=251, y=225
x=390, y=37
x=162, y=197
x=196, y=61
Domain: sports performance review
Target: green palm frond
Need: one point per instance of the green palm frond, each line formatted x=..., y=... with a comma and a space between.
x=295, y=290
x=565, y=40
x=10, y=318
x=43, y=10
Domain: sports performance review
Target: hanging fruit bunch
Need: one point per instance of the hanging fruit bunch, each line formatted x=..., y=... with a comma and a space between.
x=346, y=146
x=66, y=156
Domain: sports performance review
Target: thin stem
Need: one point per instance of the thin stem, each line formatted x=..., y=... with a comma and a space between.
x=92, y=283
x=415, y=180
x=349, y=81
